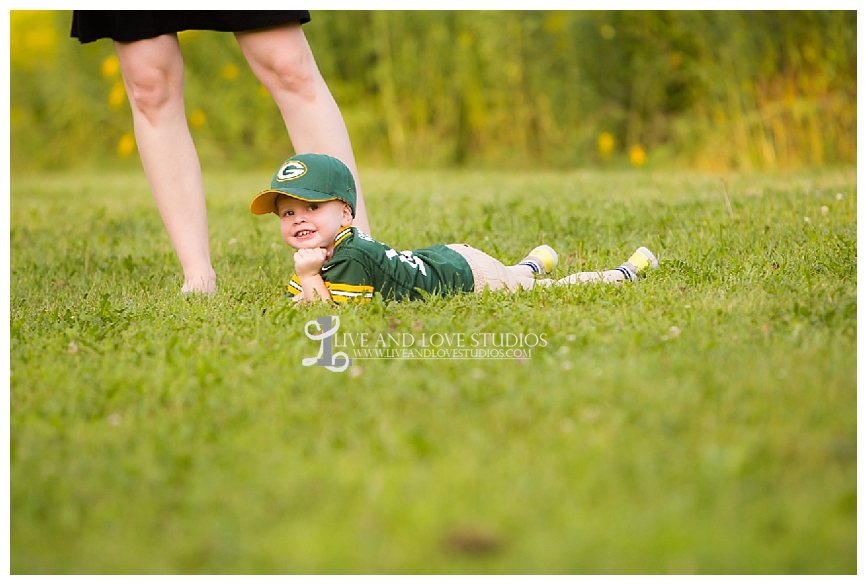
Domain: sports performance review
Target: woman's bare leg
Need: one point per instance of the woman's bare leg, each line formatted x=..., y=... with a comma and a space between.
x=153, y=73
x=281, y=59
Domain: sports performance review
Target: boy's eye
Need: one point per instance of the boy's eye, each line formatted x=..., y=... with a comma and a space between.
x=288, y=212
x=312, y=207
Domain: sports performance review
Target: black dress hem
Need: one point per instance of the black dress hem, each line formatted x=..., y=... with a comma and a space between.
x=127, y=26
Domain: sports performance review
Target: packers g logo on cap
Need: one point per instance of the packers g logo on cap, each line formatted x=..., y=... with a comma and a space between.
x=291, y=171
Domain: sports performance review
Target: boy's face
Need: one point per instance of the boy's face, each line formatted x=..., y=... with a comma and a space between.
x=312, y=224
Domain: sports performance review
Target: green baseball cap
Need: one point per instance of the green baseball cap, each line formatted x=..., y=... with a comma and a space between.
x=308, y=177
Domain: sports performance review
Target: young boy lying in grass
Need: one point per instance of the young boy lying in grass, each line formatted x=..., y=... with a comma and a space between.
x=314, y=197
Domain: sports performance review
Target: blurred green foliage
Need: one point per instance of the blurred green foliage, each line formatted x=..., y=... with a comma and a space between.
x=709, y=90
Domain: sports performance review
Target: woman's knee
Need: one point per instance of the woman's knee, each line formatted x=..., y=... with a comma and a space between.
x=153, y=89
x=295, y=74
x=153, y=71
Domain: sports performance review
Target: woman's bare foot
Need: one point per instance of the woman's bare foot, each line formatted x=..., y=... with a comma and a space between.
x=201, y=284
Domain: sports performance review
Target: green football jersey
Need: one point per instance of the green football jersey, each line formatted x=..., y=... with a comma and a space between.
x=361, y=266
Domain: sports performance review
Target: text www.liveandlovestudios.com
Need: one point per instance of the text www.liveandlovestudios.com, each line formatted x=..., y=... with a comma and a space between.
x=338, y=350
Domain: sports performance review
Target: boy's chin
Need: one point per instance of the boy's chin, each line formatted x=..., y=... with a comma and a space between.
x=305, y=245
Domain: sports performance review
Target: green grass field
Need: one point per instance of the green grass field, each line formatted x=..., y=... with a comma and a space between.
x=703, y=420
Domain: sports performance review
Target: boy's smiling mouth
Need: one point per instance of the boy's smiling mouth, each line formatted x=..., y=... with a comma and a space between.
x=304, y=233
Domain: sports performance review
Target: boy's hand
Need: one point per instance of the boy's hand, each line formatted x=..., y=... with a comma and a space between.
x=309, y=261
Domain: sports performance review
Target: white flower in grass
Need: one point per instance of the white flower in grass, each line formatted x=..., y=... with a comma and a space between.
x=824, y=210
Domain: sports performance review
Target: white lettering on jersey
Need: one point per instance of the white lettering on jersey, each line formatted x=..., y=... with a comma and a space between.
x=407, y=257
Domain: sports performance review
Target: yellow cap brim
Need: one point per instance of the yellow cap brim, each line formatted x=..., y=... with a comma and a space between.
x=266, y=201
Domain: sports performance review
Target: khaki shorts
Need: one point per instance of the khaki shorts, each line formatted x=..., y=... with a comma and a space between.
x=489, y=272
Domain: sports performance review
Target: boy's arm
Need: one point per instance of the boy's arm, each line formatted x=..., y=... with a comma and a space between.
x=308, y=263
x=348, y=280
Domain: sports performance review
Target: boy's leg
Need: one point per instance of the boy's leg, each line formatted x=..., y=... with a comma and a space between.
x=522, y=271
x=607, y=276
x=640, y=261
x=153, y=74
x=492, y=274
x=489, y=273
x=282, y=60
x=540, y=260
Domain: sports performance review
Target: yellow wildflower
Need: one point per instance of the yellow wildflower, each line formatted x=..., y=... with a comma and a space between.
x=126, y=146
x=32, y=38
x=230, y=71
x=637, y=156
x=605, y=144
x=117, y=95
x=110, y=66
x=198, y=119
x=42, y=39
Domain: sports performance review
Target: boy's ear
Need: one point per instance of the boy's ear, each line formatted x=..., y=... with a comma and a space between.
x=347, y=215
